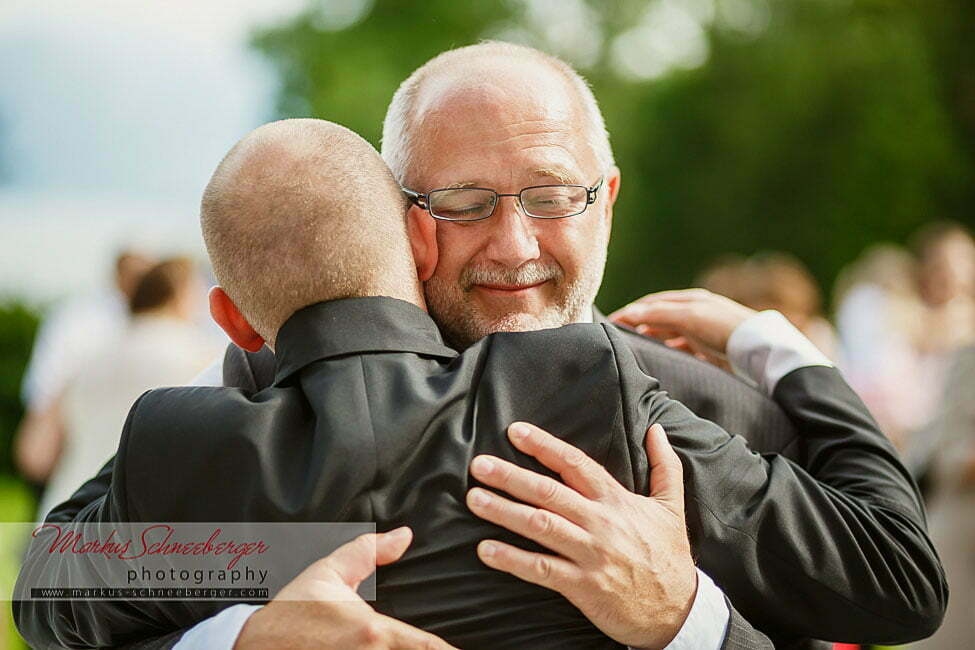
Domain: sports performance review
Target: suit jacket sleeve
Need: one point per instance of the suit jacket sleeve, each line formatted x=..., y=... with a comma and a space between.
x=742, y=636
x=85, y=623
x=831, y=547
x=80, y=624
x=713, y=394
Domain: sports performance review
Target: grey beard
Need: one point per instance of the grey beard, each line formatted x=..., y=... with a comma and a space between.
x=462, y=325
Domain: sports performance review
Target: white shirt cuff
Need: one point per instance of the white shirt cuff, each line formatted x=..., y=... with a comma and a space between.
x=219, y=632
x=707, y=622
x=767, y=347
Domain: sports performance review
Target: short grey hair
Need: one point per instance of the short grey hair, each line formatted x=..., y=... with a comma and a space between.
x=399, y=140
x=301, y=211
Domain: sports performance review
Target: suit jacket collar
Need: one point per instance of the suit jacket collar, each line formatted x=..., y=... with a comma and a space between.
x=355, y=326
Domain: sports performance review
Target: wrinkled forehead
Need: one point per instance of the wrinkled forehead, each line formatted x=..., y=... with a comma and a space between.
x=499, y=124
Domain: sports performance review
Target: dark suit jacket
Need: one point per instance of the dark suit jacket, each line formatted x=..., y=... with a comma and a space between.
x=708, y=391
x=367, y=385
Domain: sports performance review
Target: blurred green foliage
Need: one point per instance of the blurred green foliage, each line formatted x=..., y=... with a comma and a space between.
x=842, y=123
x=17, y=503
x=18, y=326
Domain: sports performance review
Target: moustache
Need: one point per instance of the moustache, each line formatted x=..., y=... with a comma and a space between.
x=526, y=274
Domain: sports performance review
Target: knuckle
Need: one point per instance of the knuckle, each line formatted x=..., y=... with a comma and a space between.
x=601, y=518
x=542, y=567
x=371, y=633
x=598, y=580
x=540, y=522
x=547, y=490
x=675, y=463
x=571, y=456
x=483, y=499
x=503, y=474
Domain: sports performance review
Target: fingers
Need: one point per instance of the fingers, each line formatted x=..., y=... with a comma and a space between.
x=666, y=472
x=355, y=561
x=661, y=333
x=546, y=528
x=670, y=316
x=581, y=473
x=677, y=295
x=391, y=545
x=545, y=570
x=526, y=485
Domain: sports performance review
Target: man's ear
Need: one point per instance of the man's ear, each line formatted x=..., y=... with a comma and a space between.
x=613, y=184
x=422, y=231
x=612, y=188
x=228, y=317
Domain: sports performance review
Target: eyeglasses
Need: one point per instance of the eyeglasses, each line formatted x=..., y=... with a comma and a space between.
x=476, y=203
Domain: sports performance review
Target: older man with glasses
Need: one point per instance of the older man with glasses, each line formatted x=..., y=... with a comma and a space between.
x=469, y=129
x=497, y=146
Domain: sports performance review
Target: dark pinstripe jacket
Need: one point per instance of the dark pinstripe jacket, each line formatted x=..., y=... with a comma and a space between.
x=838, y=550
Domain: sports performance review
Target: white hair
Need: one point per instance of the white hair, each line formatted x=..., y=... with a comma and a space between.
x=399, y=139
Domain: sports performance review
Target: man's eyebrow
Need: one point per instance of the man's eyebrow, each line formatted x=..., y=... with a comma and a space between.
x=459, y=186
x=562, y=175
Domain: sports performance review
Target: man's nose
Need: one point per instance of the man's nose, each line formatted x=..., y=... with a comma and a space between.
x=512, y=241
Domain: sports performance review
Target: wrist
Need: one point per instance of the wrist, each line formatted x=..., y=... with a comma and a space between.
x=683, y=608
x=766, y=346
x=666, y=625
x=706, y=624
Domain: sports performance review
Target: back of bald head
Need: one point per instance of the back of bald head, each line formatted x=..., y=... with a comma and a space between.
x=302, y=211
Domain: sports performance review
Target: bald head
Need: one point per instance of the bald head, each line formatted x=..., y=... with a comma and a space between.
x=486, y=74
x=302, y=211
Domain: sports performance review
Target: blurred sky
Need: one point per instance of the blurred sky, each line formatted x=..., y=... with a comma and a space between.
x=113, y=114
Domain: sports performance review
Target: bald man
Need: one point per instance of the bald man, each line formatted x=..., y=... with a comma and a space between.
x=372, y=418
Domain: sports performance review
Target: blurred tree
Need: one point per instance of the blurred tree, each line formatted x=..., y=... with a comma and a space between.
x=949, y=25
x=812, y=126
x=18, y=326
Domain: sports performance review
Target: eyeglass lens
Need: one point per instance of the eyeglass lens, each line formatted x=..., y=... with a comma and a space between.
x=469, y=204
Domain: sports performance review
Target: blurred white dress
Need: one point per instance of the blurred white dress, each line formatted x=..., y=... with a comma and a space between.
x=152, y=351
x=70, y=335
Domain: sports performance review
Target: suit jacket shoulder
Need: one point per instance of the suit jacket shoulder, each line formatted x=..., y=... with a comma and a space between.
x=709, y=392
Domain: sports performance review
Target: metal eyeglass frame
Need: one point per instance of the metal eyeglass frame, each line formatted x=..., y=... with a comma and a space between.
x=422, y=200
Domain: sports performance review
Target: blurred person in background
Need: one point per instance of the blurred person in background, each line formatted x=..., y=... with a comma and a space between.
x=946, y=254
x=880, y=318
x=946, y=452
x=160, y=346
x=67, y=338
x=946, y=282
x=775, y=280
x=943, y=451
x=730, y=276
x=786, y=285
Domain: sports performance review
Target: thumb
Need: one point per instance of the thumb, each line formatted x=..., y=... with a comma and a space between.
x=356, y=560
x=391, y=545
x=666, y=473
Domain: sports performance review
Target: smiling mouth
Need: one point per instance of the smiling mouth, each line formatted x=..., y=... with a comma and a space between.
x=508, y=289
